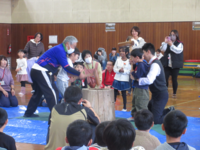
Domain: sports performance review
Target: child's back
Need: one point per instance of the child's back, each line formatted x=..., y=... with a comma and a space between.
x=144, y=122
x=6, y=141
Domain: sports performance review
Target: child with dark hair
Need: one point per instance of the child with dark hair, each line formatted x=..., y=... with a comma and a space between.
x=113, y=55
x=6, y=141
x=141, y=93
x=144, y=122
x=120, y=135
x=158, y=54
x=121, y=81
x=100, y=143
x=174, y=125
x=78, y=136
x=78, y=82
x=21, y=76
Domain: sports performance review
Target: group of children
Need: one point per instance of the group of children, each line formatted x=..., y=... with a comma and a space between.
x=121, y=134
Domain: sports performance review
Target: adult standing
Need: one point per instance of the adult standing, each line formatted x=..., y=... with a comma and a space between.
x=138, y=41
x=7, y=91
x=35, y=47
x=173, y=58
x=44, y=68
x=157, y=85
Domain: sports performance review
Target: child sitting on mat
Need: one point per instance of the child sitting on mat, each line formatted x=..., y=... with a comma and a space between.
x=100, y=143
x=78, y=136
x=144, y=122
x=174, y=125
x=6, y=141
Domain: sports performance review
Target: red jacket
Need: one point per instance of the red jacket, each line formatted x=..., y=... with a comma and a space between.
x=107, y=78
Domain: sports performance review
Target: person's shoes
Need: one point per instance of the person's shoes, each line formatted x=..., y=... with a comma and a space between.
x=174, y=96
x=171, y=108
x=32, y=91
x=130, y=119
x=33, y=115
x=128, y=94
x=124, y=110
x=20, y=94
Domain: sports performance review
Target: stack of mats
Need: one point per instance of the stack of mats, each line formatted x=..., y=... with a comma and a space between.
x=190, y=68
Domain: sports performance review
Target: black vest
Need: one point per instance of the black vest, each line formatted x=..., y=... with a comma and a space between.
x=159, y=85
x=177, y=59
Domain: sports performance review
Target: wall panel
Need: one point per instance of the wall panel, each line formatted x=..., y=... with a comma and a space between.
x=93, y=35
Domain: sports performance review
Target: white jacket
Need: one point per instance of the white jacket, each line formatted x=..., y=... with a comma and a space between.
x=138, y=43
x=122, y=76
x=22, y=63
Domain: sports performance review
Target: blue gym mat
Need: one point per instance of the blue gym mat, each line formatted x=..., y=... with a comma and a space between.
x=35, y=130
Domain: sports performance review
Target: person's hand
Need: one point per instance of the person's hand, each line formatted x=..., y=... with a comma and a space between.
x=99, y=53
x=121, y=70
x=86, y=103
x=107, y=87
x=17, y=69
x=5, y=93
x=170, y=43
x=131, y=76
x=166, y=39
x=13, y=92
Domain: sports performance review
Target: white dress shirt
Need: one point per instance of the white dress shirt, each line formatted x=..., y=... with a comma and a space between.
x=176, y=49
x=153, y=73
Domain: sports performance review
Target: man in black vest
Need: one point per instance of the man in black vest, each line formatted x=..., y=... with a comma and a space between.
x=157, y=85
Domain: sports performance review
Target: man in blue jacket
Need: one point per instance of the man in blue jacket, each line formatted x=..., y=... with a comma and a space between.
x=43, y=70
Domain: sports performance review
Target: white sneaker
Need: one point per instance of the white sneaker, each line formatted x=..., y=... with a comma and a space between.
x=20, y=94
x=124, y=110
x=130, y=119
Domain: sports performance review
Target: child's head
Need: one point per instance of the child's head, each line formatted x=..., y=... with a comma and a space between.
x=122, y=52
x=21, y=53
x=148, y=50
x=99, y=133
x=79, y=133
x=158, y=51
x=3, y=117
x=119, y=135
x=175, y=123
x=136, y=55
x=75, y=55
x=87, y=56
x=79, y=66
x=143, y=120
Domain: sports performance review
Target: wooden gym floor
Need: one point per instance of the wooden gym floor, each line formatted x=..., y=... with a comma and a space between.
x=187, y=100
